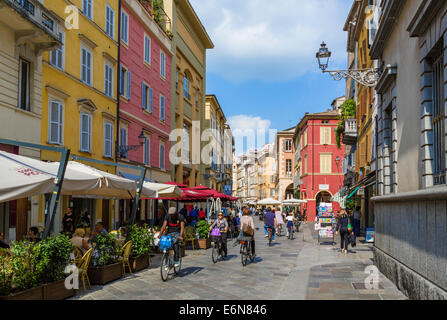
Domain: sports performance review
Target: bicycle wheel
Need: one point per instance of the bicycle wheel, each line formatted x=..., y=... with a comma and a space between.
x=164, y=267
x=291, y=234
x=244, y=254
x=177, y=269
x=270, y=237
x=215, y=253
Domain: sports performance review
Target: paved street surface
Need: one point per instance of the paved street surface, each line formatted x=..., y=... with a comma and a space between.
x=290, y=269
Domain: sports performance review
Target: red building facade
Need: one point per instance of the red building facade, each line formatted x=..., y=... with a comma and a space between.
x=145, y=91
x=318, y=160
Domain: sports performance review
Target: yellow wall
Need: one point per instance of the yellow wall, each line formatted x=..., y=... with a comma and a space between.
x=66, y=86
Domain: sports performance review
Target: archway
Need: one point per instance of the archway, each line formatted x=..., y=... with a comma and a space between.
x=289, y=192
x=322, y=196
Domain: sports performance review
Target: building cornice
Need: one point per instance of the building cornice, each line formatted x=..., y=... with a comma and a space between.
x=424, y=16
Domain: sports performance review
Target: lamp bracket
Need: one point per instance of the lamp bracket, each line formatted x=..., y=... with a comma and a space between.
x=366, y=77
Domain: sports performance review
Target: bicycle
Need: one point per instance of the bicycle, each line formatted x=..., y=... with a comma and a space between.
x=291, y=228
x=217, y=249
x=279, y=230
x=246, y=250
x=167, y=263
x=270, y=233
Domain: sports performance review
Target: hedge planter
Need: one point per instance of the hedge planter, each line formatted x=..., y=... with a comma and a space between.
x=36, y=293
x=139, y=263
x=204, y=243
x=105, y=274
x=56, y=291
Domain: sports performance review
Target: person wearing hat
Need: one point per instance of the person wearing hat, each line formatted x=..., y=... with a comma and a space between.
x=174, y=224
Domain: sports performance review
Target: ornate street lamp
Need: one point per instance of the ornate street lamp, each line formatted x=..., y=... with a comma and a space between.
x=124, y=149
x=367, y=77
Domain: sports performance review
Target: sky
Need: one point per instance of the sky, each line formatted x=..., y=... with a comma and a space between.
x=263, y=67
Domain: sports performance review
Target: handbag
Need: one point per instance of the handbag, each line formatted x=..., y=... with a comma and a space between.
x=247, y=229
x=215, y=232
x=165, y=243
x=353, y=243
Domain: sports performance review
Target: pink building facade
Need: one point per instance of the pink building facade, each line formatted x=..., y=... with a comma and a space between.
x=145, y=88
x=319, y=162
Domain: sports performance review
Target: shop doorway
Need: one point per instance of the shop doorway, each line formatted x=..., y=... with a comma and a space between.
x=322, y=196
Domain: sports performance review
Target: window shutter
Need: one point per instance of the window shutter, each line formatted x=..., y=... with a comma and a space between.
x=143, y=96
x=129, y=84
x=151, y=99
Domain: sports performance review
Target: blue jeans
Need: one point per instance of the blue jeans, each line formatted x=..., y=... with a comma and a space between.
x=267, y=231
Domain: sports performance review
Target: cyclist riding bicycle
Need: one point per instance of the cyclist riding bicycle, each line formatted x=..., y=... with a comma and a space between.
x=269, y=222
x=279, y=219
x=290, y=220
x=175, y=224
x=222, y=225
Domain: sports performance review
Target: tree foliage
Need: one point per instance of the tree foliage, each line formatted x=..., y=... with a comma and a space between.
x=347, y=111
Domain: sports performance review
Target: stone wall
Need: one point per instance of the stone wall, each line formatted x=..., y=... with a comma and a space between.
x=411, y=242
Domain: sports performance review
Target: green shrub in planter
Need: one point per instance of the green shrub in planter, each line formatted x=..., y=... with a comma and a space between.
x=5, y=273
x=203, y=228
x=141, y=239
x=107, y=248
x=52, y=255
x=23, y=266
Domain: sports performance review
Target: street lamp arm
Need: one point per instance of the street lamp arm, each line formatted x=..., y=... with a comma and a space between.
x=366, y=77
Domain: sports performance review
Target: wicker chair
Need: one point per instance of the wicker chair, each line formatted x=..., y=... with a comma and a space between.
x=77, y=255
x=83, y=267
x=190, y=235
x=125, y=253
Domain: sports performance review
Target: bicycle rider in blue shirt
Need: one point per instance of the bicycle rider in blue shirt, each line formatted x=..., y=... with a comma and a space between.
x=269, y=222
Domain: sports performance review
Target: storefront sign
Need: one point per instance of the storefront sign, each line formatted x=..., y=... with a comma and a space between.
x=324, y=187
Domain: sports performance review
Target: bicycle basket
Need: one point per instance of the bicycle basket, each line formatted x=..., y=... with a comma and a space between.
x=165, y=243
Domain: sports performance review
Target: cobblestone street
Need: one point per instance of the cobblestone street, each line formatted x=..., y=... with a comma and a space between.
x=290, y=269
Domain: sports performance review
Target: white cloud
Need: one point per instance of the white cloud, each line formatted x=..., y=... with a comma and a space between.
x=250, y=132
x=271, y=40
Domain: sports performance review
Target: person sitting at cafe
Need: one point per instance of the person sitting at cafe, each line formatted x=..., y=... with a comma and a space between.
x=99, y=228
x=33, y=235
x=79, y=240
x=3, y=245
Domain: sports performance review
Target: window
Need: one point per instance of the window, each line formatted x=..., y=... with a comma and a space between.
x=288, y=145
x=86, y=66
x=147, y=97
x=147, y=49
x=288, y=167
x=305, y=164
x=176, y=79
x=108, y=79
x=125, y=82
x=147, y=147
x=186, y=141
x=186, y=85
x=305, y=138
x=162, y=155
x=124, y=27
x=439, y=164
x=325, y=163
x=87, y=8
x=325, y=135
x=123, y=142
x=197, y=98
x=110, y=21
x=162, y=107
x=55, y=122
x=24, y=80
x=57, y=56
x=272, y=192
x=162, y=64
x=108, y=136
x=86, y=131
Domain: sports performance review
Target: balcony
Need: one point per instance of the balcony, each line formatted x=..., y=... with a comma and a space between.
x=155, y=9
x=350, y=133
x=31, y=22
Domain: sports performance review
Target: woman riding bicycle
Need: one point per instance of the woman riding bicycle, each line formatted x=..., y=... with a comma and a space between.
x=175, y=224
x=222, y=225
x=247, y=220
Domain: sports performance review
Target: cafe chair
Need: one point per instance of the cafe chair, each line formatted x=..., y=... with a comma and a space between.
x=77, y=255
x=125, y=253
x=189, y=235
x=83, y=267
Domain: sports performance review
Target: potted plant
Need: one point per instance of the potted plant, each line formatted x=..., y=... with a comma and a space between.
x=18, y=280
x=52, y=255
x=105, y=266
x=141, y=239
x=203, y=228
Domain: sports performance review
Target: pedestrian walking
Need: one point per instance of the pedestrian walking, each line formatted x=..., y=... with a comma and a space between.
x=248, y=227
x=343, y=225
x=357, y=216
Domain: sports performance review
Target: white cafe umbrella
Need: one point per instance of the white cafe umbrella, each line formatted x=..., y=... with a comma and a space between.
x=162, y=190
x=268, y=201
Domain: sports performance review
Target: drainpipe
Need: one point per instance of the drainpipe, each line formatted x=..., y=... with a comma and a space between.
x=118, y=86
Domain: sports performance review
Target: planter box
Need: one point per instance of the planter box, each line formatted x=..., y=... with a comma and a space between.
x=56, y=291
x=139, y=263
x=204, y=243
x=106, y=274
x=36, y=293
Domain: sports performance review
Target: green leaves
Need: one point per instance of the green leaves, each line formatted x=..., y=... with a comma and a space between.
x=203, y=228
x=141, y=239
x=347, y=111
x=108, y=250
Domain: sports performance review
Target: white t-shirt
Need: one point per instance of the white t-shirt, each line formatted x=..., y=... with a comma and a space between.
x=289, y=218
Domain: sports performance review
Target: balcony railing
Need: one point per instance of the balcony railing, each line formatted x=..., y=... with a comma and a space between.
x=159, y=15
x=350, y=134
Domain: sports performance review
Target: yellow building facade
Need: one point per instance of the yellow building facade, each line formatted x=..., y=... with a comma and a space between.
x=79, y=93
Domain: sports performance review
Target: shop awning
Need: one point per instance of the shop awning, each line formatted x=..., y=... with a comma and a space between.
x=353, y=192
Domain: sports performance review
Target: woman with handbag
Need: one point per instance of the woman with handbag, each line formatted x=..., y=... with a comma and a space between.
x=221, y=224
x=344, y=227
x=248, y=228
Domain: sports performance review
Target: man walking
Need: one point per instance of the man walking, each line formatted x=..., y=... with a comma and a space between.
x=357, y=216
